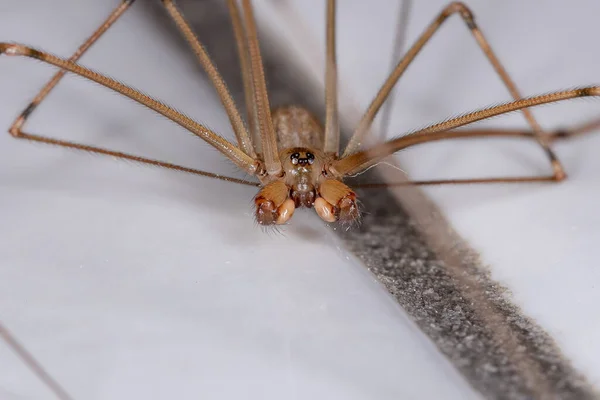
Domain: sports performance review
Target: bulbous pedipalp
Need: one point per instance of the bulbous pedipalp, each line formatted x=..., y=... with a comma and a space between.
x=273, y=205
x=337, y=202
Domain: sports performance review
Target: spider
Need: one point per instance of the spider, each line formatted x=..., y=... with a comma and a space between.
x=296, y=159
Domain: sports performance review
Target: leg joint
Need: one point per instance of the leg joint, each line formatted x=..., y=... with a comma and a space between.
x=463, y=10
x=27, y=112
x=559, y=172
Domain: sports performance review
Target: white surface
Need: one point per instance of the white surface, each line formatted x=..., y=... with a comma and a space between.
x=539, y=240
x=132, y=282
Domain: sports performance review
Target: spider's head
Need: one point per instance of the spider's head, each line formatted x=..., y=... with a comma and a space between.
x=305, y=184
x=303, y=169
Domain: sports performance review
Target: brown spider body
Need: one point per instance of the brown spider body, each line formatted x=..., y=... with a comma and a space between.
x=305, y=181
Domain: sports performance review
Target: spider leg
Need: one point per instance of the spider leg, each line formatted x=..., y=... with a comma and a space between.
x=34, y=365
x=331, y=141
x=559, y=134
x=243, y=137
x=270, y=152
x=229, y=150
x=15, y=128
x=241, y=40
x=469, y=20
x=362, y=160
x=398, y=49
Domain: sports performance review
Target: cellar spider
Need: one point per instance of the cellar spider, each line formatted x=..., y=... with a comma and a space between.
x=297, y=161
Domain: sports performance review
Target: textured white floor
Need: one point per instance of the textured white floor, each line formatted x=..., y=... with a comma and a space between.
x=131, y=282
x=539, y=240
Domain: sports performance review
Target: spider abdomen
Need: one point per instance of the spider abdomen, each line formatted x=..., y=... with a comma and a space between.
x=297, y=127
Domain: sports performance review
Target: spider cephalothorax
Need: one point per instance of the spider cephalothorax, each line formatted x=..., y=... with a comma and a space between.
x=306, y=181
x=302, y=173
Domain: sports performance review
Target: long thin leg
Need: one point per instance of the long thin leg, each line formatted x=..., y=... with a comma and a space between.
x=332, y=129
x=463, y=134
x=553, y=135
x=261, y=98
x=582, y=129
x=33, y=364
x=361, y=160
x=130, y=157
x=233, y=113
x=15, y=128
x=398, y=50
x=230, y=151
x=559, y=134
x=241, y=40
x=468, y=18
x=466, y=181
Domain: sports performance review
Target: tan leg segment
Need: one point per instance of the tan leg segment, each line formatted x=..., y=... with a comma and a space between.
x=553, y=135
x=398, y=50
x=358, y=162
x=16, y=127
x=332, y=129
x=466, y=181
x=130, y=157
x=562, y=134
x=559, y=134
x=233, y=113
x=230, y=151
x=241, y=40
x=112, y=18
x=468, y=18
x=261, y=98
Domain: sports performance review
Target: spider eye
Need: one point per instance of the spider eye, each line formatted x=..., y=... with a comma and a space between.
x=294, y=157
x=310, y=157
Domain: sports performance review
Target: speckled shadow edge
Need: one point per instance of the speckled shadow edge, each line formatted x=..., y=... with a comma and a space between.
x=412, y=250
